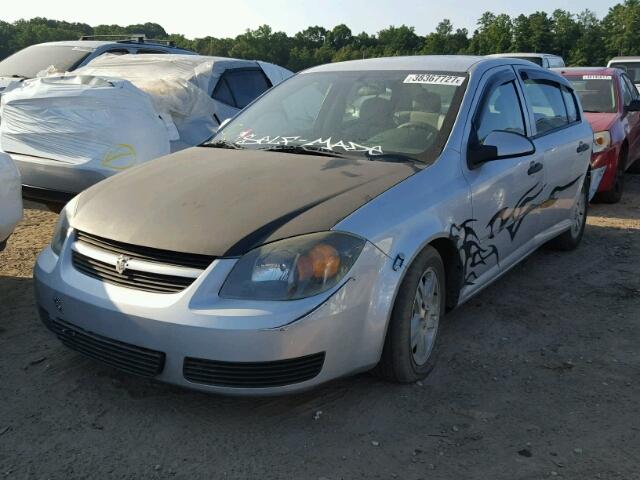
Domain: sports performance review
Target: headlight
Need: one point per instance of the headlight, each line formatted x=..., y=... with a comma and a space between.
x=294, y=268
x=62, y=229
x=60, y=233
x=601, y=141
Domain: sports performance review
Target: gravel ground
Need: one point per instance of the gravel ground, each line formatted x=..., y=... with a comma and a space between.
x=539, y=378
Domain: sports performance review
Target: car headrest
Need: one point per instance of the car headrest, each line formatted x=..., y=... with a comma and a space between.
x=375, y=107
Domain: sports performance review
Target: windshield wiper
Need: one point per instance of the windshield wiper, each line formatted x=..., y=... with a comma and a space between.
x=223, y=144
x=393, y=157
x=303, y=150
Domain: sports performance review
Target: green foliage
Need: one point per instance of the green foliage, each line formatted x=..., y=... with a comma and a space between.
x=581, y=39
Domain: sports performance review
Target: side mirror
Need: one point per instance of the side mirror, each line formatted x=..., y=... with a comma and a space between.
x=500, y=145
x=634, y=106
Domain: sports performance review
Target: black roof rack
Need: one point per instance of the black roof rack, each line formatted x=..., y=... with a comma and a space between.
x=130, y=38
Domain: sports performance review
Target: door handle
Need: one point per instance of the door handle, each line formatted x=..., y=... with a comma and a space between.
x=582, y=147
x=534, y=167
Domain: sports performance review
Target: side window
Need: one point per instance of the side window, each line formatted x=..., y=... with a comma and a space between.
x=626, y=93
x=632, y=88
x=222, y=93
x=118, y=51
x=149, y=50
x=500, y=110
x=570, y=104
x=555, y=62
x=246, y=85
x=545, y=99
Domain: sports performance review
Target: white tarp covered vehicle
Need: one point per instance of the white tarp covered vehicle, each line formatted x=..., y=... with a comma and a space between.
x=10, y=198
x=67, y=132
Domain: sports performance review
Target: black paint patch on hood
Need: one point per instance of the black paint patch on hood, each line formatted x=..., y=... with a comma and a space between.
x=226, y=202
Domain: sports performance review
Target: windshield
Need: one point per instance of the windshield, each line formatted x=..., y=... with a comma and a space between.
x=28, y=62
x=596, y=92
x=363, y=114
x=632, y=69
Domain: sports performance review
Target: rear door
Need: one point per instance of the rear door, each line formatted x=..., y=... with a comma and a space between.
x=563, y=142
x=502, y=191
x=631, y=120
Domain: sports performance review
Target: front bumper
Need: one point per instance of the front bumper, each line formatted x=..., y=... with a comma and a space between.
x=52, y=182
x=195, y=331
x=607, y=159
x=10, y=198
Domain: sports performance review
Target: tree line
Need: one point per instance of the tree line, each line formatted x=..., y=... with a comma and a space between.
x=580, y=38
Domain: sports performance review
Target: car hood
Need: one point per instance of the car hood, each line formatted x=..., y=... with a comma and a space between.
x=600, y=121
x=222, y=202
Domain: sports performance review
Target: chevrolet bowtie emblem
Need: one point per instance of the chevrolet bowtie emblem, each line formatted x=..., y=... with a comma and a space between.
x=122, y=263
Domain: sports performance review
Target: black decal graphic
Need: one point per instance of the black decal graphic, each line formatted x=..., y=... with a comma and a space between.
x=471, y=252
x=511, y=218
x=562, y=188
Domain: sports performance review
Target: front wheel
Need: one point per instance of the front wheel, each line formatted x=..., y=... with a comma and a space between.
x=570, y=239
x=411, y=345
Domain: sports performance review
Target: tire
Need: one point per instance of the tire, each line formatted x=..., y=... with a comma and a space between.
x=634, y=167
x=403, y=361
x=615, y=194
x=570, y=239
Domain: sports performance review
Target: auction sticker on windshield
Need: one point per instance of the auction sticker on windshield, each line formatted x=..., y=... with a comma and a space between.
x=433, y=79
x=597, y=77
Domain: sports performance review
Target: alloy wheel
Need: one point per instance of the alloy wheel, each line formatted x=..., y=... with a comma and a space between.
x=426, y=316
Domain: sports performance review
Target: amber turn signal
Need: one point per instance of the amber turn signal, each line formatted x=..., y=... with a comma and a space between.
x=321, y=262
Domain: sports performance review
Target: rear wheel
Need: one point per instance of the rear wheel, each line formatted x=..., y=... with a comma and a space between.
x=411, y=345
x=570, y=239
x=615, y=194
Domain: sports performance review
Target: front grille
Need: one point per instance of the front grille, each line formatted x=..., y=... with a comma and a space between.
x=123, y=356
x=146, y=281
x=166, y=257
x=253, y=374
x=132, y=278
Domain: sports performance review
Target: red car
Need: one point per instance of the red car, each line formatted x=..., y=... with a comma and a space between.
x=611, y=104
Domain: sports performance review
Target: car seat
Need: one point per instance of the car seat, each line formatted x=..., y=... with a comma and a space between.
x=374, y=117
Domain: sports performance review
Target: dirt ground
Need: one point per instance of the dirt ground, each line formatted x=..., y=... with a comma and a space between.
x=539, y=378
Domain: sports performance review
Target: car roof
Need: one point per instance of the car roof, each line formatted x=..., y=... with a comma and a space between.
x=627, y=59
x=94, y=44
x=587, y=71
x=522, y=54
x=442, y=63
x=76, y=43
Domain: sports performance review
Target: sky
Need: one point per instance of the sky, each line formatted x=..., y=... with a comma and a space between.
x=197, y=18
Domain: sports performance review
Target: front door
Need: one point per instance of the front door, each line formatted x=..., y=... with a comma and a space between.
x=503, y=192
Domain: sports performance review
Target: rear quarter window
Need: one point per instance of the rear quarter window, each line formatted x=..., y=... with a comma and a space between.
x=570, y=104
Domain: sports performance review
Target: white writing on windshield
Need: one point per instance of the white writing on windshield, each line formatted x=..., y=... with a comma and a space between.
x=325, y=143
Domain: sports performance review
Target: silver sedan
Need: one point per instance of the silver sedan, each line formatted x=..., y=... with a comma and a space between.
x=326, y=230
